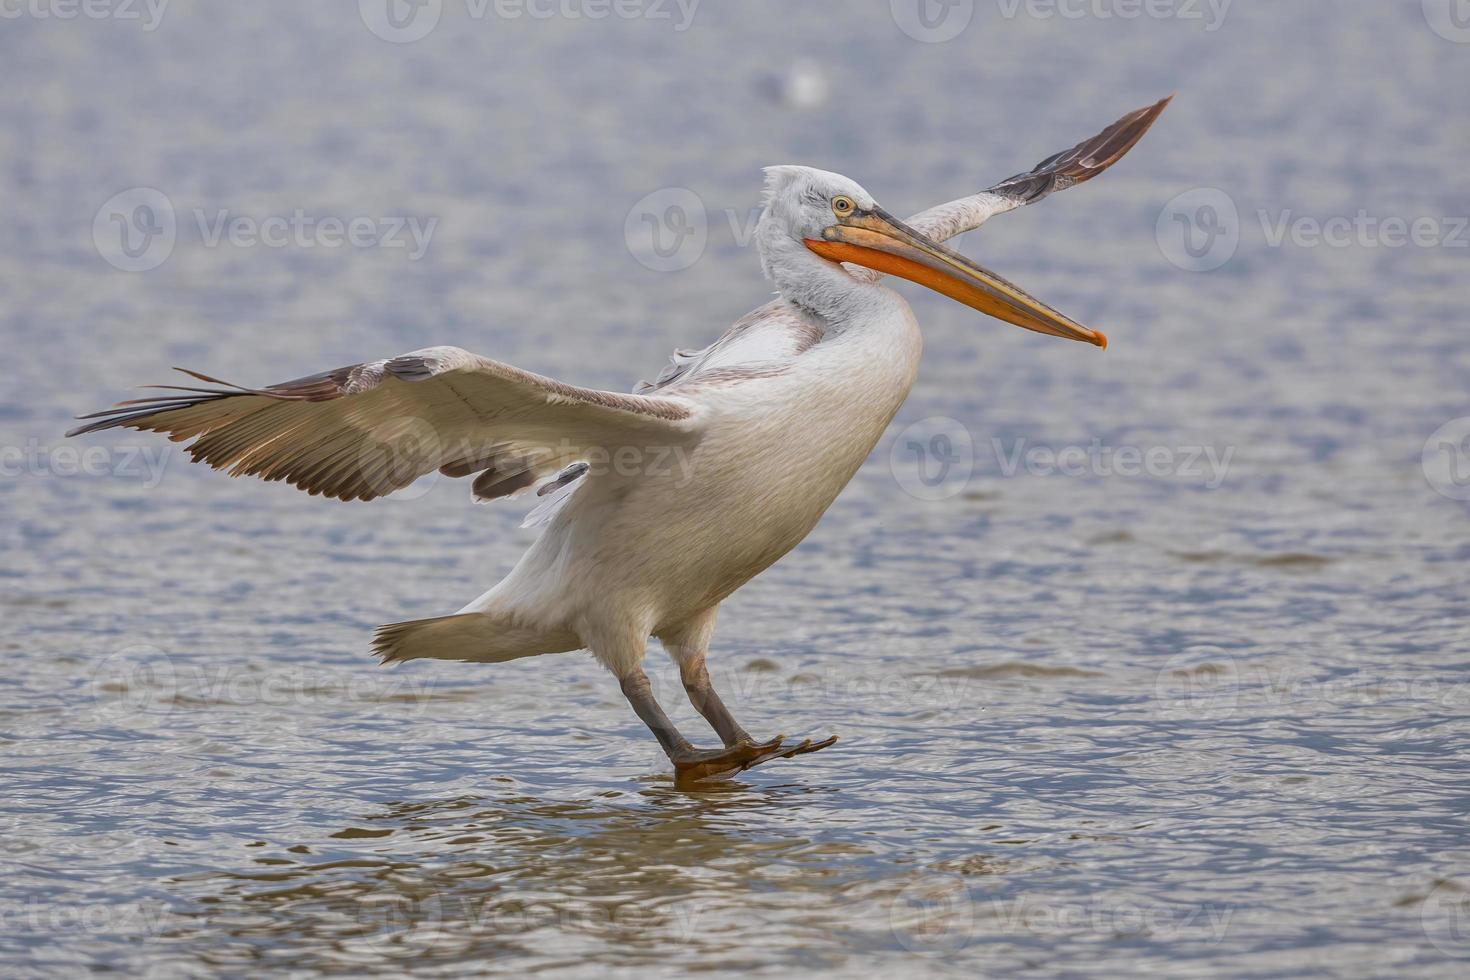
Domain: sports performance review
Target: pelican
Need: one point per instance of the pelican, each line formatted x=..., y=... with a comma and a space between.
x=655, y=505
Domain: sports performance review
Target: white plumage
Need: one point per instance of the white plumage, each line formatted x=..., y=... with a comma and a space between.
x=655, y=505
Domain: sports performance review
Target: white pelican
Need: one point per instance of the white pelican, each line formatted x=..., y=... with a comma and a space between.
x=770, y=422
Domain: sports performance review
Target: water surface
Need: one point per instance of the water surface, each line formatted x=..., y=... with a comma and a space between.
x=1099, y=716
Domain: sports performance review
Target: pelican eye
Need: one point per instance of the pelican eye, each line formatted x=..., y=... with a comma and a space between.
x=842, y=206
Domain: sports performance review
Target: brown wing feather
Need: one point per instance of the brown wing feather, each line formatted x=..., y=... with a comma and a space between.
x=1057, y=172
x=365, y=430
x=1084, y=161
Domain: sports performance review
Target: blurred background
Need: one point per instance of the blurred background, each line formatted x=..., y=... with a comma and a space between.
x=1145, y=661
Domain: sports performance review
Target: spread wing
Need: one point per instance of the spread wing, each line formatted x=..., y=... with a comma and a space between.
x=363, y=431
x=1058, y=172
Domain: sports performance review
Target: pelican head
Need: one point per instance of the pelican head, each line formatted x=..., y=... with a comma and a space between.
x=832, y=216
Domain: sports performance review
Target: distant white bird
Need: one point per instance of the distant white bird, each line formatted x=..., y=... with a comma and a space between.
x=804, y=85
x=660, y=503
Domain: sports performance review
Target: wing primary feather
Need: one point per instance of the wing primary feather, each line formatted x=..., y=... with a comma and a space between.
x=1084, y=161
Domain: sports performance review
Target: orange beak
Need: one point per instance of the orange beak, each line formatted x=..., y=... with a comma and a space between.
x=876, y=240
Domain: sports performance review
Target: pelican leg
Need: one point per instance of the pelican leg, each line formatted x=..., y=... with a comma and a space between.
x=690, y=764
x=706, y=701
x=686, y=645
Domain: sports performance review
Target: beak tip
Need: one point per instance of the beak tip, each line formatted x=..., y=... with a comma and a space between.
x=1102, y=340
